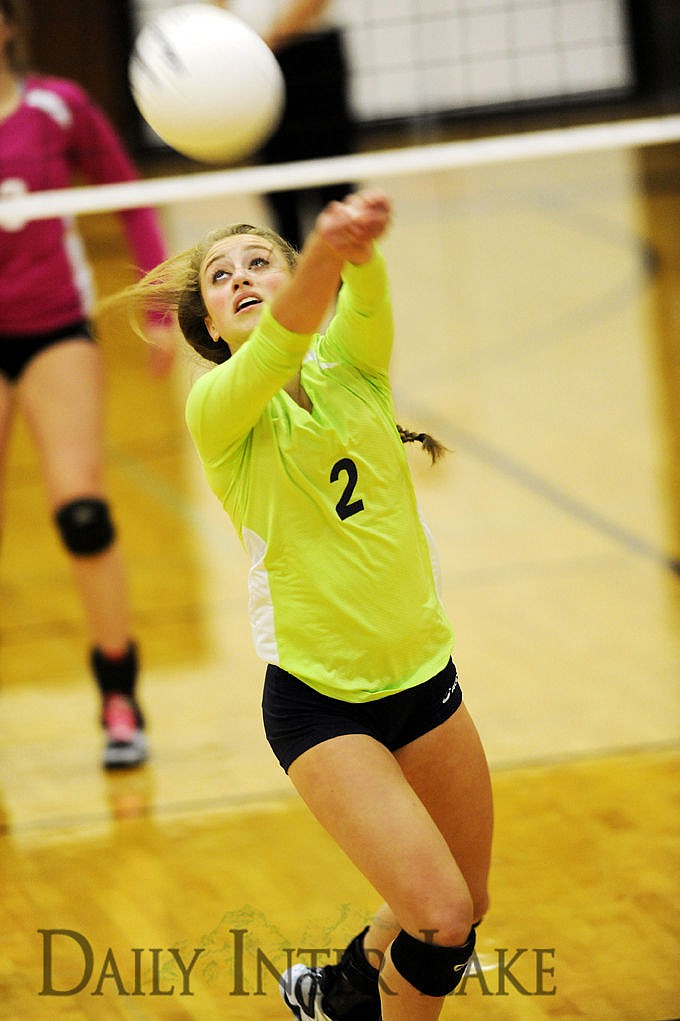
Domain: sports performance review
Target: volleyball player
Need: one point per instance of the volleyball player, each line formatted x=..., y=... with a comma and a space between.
x=50, y=364
x=361, y=704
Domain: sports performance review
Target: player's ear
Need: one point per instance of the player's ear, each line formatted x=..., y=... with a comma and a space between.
x=211, y=328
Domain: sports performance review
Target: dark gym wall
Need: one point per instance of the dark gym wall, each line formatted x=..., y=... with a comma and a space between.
x=89, y=41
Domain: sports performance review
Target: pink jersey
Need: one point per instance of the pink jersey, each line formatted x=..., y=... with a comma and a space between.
x=57, y=135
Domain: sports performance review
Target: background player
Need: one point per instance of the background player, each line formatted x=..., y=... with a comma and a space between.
x=50, y=365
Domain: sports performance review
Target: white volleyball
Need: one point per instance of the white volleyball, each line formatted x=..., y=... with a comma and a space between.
x=206, y=83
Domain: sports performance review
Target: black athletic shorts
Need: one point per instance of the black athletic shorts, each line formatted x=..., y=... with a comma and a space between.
x=17, y=352
x=296, y=717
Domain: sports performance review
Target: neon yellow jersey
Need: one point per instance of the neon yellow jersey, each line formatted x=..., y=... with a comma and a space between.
x=342, y=589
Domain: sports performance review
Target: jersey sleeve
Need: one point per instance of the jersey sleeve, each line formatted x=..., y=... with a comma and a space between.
x=225, y=403
x=362, y=330
x=97, y=152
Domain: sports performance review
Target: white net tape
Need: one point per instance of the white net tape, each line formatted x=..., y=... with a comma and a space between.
x=310, y=173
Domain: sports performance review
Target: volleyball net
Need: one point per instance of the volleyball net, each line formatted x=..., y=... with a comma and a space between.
x=391, y=163
x=423, y=58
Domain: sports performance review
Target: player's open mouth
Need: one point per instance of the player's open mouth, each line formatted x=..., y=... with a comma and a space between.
x=247, y=301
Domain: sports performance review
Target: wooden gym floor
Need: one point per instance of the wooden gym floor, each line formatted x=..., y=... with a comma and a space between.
x=538, y=314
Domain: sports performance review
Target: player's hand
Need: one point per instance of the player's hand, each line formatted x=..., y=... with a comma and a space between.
x=350, y=227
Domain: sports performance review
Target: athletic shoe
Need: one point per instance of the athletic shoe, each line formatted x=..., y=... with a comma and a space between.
x=302, y=991
x=346, y=991
x=125, y=739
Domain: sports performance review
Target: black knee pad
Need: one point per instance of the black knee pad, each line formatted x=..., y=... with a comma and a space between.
x=431, y=969
x=85, y=526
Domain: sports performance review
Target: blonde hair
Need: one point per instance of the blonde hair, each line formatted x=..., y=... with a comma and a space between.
x=175, y=286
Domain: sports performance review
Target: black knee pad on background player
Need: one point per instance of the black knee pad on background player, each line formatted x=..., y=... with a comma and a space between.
x=85, y=526
x=431, y=969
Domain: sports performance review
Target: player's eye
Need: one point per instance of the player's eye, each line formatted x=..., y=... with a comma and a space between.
x=220, y=274
x=259, y=262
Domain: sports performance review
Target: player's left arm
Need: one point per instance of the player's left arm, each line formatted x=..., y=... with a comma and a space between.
x=100, y=155
x=342, y=245
x=362, y=329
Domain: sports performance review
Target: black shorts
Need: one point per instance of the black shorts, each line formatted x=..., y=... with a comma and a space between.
x=17, y=351
x=296, y=717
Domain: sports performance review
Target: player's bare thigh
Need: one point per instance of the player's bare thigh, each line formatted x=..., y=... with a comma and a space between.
x=357, y=791
x=447, y=769
x=62, y=398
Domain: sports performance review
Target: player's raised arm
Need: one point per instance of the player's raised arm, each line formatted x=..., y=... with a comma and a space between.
x=344, y=232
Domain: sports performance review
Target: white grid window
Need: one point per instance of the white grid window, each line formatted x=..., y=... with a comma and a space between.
x=426, y=57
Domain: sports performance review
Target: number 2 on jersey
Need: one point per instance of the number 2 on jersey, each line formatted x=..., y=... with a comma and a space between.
x=346, y=507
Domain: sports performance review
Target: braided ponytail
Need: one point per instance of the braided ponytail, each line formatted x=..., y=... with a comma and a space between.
x=429, y=444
